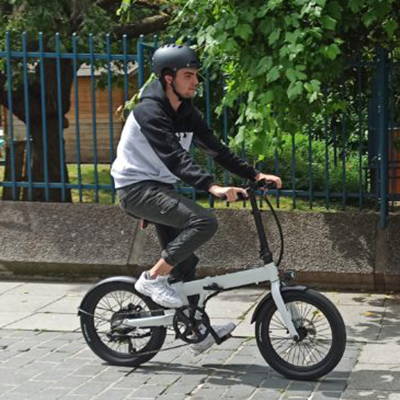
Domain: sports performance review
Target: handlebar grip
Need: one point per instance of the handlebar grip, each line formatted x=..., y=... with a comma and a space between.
x=240, y=197
x=266, y=184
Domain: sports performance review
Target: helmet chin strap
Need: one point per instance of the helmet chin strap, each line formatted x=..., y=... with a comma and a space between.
x=178, y=95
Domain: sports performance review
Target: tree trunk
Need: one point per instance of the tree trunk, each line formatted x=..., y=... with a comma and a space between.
x=37, y=165
x=10, y=193
x=53, y=166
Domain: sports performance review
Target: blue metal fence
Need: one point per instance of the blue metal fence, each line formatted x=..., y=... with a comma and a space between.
x=344, y=158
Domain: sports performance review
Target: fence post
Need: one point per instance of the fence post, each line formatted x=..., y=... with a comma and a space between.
x=382, y=132
x=140, y=59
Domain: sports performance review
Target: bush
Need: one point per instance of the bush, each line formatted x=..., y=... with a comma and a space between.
x=322, y=174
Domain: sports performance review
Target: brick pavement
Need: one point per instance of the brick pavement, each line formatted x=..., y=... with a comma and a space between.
x=50, y=365
x=43, y=354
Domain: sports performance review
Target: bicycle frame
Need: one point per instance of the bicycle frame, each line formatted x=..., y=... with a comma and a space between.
x=209, y=285
x=204, y=286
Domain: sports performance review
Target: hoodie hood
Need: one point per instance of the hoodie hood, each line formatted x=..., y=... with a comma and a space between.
x=155, y=91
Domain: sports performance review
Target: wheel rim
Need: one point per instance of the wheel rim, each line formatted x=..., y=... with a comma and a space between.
x=120, y=339
x=315, y=336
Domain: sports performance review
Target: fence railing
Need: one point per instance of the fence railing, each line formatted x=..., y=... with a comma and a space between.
x=61, y=130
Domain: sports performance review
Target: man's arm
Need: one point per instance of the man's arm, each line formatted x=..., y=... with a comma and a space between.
x=157, y=128
x=205, y=139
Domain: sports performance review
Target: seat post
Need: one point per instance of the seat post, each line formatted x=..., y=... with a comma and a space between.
x=265, y=252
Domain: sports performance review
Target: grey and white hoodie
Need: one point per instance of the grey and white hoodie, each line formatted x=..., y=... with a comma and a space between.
x=155, y=144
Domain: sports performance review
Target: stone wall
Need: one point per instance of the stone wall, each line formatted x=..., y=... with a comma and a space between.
x=91, y=241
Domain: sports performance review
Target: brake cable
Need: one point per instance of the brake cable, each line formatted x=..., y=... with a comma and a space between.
x=278, y=224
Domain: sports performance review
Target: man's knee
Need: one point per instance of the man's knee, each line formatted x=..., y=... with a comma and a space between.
x=209, y=225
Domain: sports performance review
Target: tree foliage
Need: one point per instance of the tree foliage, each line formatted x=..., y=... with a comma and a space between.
x=280, y=58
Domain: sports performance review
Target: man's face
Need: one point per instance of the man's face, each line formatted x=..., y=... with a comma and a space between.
x=186, y=82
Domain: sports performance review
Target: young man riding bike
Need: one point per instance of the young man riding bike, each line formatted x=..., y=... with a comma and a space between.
x=153, y=154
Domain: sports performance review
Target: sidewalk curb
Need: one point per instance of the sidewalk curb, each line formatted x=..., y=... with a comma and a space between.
x=58, y=272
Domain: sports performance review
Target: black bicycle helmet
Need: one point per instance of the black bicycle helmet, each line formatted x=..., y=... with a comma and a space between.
x=174, y=57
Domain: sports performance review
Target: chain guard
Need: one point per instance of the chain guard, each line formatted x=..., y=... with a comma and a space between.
x=191, y=324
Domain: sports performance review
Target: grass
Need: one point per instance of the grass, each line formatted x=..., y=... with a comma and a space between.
x=285, y=204
x=87, y=176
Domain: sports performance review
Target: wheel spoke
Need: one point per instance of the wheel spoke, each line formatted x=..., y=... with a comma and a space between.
x=314, y=330
x=108, y=308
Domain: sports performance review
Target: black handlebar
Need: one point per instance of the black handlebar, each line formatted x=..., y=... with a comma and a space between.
x=265, y=184
x=256, y=185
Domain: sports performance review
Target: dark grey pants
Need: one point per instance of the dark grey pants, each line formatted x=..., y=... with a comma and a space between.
x=182, y=225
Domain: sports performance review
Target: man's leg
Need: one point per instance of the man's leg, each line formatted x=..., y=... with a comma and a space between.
x=184, y=271
x=194, y=225
x=182, y=227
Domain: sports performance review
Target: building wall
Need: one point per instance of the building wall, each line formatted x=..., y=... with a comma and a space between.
x=104, y=130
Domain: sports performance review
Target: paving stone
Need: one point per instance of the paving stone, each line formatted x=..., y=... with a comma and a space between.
x=326, y=395
x=172, y=396
x=207, y=392
x=332, y=385
x=299, y=390
x=29, y=387
x=264, y=394
x=363, y=394
x=5, y=388
x=380, y=354
x=71, y=382
x=239, y=391
x=113, y=394
x=89, y=370
x=49, y=394
x=146, y=391
x=59, y=322
x=375, y=377
x=91, y=388
x=15, y=396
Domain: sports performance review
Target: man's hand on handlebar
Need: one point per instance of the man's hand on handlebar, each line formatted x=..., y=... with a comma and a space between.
x=233, y=193
x=228, y=193
x=269, y=179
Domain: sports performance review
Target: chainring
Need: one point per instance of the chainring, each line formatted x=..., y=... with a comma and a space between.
x=191, y=324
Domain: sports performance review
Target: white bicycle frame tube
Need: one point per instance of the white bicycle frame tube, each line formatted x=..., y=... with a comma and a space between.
x=268, y=272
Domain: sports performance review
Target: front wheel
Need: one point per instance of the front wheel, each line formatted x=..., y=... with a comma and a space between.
x=102, y=325
x=322, y=335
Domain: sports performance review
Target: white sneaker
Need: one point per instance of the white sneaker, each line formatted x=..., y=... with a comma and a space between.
x=160, y=291
x=221, y=330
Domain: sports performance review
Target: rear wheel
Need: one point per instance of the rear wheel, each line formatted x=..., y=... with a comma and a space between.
x=322, y=335
x=106, y=307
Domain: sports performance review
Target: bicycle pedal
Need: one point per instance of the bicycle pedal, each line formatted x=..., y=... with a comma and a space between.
x=223, y=338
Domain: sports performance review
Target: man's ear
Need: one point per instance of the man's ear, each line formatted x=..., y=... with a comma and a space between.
x=168, y=78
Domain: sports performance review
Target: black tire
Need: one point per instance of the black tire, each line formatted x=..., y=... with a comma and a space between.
x=320, y=361
x=92, y=322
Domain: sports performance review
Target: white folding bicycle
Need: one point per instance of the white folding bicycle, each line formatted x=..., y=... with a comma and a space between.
x=299, y=331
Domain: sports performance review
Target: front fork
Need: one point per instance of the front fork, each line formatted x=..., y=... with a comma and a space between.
x=289, y=314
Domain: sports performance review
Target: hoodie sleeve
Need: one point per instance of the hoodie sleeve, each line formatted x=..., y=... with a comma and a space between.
x=157, y=127
x=205, y=139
